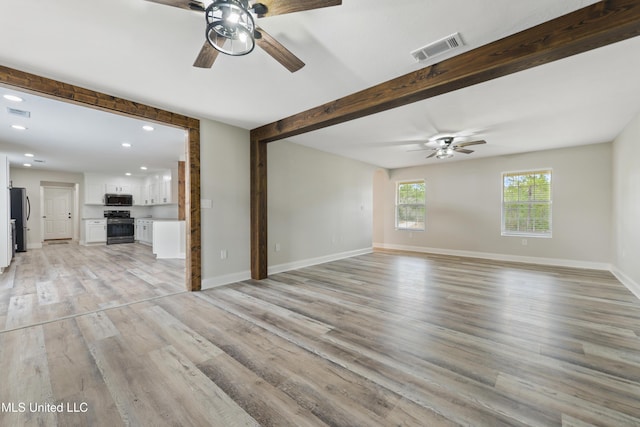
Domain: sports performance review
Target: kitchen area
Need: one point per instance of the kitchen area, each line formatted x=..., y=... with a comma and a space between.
x=120, y=210
x=85, y=177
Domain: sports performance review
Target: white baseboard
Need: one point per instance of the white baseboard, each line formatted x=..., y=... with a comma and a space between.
x=500, y=257
x=634, y=287
x=280, y=268
x=629, y=283
x=225, y=279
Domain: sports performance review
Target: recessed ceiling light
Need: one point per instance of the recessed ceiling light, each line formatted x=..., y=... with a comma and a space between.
x=13, y=98
x=128, y=173
x=126, y=145
x=19, y=127
x=147, y=128
x=144, y=168
x=27, y=165
x=29, y=155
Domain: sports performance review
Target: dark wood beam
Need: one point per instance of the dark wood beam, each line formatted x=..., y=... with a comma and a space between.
x=594, y=26
x=193, y=225
x=259, y=243
x=66, y=92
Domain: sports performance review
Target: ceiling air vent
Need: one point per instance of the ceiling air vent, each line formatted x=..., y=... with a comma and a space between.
x=454, y=41
x=21, y=113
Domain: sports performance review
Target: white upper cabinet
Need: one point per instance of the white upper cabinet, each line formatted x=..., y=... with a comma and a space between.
x=118, y=188
x=157, y=189
x=162, y=188
x=97, y=185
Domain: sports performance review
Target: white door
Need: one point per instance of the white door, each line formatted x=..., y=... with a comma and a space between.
x=58, y=207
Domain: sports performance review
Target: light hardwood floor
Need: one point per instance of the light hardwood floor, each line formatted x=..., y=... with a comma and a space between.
x=385, y=339
x=64, y=279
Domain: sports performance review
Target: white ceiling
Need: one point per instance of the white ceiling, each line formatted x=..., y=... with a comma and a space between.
x=144, y=52
x=67, y=137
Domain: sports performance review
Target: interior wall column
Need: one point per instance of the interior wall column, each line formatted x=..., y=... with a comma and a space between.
x=259, y=244
x=192, y=210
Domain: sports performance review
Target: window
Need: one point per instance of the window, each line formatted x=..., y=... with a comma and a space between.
x=410, y=205
x=526, y=203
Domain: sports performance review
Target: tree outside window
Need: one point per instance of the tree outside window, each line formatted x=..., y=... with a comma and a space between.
x=526, y=203
x=410, y=205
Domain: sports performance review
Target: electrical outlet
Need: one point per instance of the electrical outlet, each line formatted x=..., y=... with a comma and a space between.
x=223, y=254
x=277, y=247
x=524, y=242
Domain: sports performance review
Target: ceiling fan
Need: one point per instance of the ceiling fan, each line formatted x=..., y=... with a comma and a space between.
x=231, y=28
x=444, y=147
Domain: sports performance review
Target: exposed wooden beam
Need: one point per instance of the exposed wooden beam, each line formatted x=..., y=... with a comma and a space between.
x=193, y=223
x=66, y=92
x=259, y=241
x=594, y=26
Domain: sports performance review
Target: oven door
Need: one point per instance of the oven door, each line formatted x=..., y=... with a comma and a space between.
x=120, y=230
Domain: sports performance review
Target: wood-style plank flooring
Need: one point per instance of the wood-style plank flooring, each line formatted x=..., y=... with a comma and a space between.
x=64, y=279
x=384, y=339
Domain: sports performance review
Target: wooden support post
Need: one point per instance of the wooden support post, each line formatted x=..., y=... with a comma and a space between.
x=259, y=248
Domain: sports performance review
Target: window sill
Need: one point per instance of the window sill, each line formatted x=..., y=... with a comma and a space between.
x=532, y=235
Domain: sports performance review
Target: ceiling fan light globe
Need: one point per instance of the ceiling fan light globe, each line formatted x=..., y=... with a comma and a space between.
x=232, y=19
x=230, y=27
x=444, y=153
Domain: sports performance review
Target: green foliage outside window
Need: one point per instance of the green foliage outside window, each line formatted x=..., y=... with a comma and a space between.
x=410, y=206
x=526, y=203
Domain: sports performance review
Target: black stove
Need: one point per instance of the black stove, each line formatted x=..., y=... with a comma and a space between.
x=120, y=227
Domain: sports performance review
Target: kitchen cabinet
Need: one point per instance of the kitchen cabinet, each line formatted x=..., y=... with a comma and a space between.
x=161, y=188
x=118, y=188
x=144, y=231
x=137, y=193
x=158, y=189
x=97, y=185
x=95, y=230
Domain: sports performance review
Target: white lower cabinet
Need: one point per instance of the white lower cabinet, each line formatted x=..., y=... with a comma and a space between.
x=144, y=231
x=95, y=230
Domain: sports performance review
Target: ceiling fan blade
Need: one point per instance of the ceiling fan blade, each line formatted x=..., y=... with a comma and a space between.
x=465, y=144
x=280, y=7
x=182, y=4
x=279, y=52
x=431, y=155
x=420, y=149
x=462, y=150
x=206, y=57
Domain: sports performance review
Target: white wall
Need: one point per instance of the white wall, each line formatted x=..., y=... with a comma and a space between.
x=319, y=206
x=6, y=250
x=224, y=180
x=464, y=208
x=626, y=206
x=30, y=179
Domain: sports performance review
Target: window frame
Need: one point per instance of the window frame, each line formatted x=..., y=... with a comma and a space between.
x=543, y=235
x=397, y=205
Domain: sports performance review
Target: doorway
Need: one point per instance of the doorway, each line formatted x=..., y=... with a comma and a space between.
x=58, y=209
x=190, y=202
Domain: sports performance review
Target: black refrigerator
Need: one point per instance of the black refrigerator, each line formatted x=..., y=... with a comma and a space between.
x=20, y=211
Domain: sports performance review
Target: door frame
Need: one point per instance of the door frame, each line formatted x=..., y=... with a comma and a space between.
x=75, y=211
x=190, y=202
